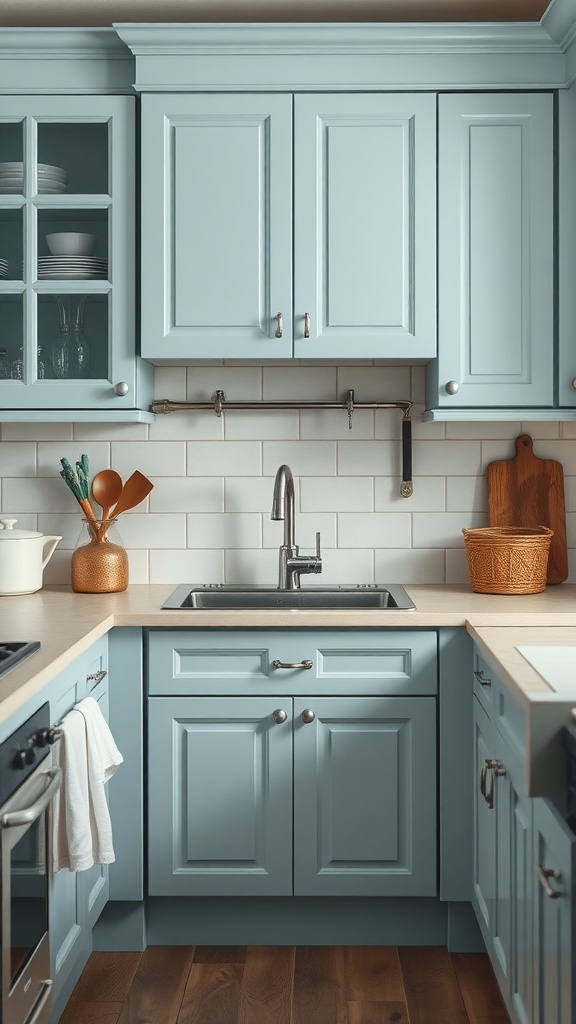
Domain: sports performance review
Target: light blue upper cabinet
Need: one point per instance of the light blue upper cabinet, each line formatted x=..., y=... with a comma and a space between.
x=495, y=251
x=67, y=336
x=223, y=197
x=364, y=229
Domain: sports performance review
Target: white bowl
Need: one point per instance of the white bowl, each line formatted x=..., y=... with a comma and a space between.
x=71, y=243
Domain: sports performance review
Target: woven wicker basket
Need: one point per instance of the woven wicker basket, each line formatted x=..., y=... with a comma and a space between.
x=508, y=559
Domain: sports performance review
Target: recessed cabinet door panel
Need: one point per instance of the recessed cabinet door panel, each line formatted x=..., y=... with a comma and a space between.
x=495, y=245
x=365, y=238
x=216, y=226
x=554, y=851
x=220, y=802
x=365, y=797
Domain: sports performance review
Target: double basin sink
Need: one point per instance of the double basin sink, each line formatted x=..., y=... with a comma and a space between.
x=214, y=597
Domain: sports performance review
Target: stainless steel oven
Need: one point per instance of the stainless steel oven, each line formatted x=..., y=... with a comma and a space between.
x=28, y=783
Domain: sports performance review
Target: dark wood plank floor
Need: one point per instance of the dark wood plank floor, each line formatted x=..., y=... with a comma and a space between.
x=287, y=985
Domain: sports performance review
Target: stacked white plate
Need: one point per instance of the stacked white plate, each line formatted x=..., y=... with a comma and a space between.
x=51, y=179
x=71, y=268
x=3, y=268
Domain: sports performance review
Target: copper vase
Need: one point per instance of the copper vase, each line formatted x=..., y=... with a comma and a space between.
x=99, y=561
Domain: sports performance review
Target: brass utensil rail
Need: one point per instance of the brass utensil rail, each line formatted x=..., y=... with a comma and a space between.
x=219, y=404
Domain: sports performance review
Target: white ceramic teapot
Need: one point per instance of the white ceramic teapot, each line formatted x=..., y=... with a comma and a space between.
x=23, y=555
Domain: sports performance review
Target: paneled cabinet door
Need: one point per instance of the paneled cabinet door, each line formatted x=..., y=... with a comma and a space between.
x=365, y=226
x=220, y=796
x=216, y=226
x=67, y=316
x=495, y=252
x=484, y=859
x=365, y=796
x=554, y=925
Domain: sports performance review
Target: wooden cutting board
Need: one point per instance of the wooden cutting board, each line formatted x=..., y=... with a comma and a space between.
x=528, y=491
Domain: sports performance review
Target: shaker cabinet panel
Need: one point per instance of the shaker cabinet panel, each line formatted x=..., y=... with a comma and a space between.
x=365, y=796
x=365, y=229
x=495, y=252
x=216, y=226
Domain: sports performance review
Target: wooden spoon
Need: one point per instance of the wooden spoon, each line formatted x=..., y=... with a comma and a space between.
x=106, y=490
x=136, y=488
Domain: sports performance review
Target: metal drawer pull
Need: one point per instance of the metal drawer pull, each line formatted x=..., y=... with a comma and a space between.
x=495, y=768
x=482, y=680
x=307, y=716
x=279, y=716
x=306, y=325
x=97, y=677
x=278, y=325
x=291, y=664
x=543, y=875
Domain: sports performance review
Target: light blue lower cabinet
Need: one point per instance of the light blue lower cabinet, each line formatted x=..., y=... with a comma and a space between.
x=554, y=860
x=523, y=871
x=224, y=819
x=77, y=898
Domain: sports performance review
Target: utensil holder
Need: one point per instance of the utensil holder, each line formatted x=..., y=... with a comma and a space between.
x=99, y=561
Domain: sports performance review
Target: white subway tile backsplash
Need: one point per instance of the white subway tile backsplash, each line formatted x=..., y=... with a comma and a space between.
x=337, y=494
x=374, y=530
x=187, y=494
x=224, y=530
x=305, y=458
x=429, y=495
x=222, y=458
x=443, y=530
x=155, y=458
x=208, y=517
x=18, y=458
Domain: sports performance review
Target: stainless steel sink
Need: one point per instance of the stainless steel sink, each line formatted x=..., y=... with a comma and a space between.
x=223, y=596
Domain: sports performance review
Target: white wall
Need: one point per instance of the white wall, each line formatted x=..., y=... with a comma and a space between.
x=208, y=517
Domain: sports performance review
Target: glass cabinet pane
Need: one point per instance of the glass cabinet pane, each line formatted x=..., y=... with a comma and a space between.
x=79, y=151
x=11, y=243
x=11, y=156
x=11, y=337
x=73, y=335
x=73, y=244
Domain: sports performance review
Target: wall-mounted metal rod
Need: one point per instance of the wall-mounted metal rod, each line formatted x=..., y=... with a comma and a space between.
x=220, y=404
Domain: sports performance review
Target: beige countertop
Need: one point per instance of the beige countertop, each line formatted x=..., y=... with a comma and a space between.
x=67, y=624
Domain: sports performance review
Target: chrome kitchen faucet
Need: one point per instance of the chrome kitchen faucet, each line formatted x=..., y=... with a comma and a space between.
x=291, y=564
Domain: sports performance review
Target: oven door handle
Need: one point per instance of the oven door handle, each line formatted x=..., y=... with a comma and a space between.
x=29, y=814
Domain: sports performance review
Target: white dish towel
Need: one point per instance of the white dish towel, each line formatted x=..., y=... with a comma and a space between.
x=88, y=757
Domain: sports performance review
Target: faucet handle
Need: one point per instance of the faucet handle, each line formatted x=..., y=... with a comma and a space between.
x=318, y=553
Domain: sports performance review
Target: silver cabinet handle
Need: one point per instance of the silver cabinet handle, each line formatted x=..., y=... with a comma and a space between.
x=279, y=716
x=278, y=325
x=574, y=383
x=452, y=387
x=495, y=768
x=306, y=325
x=121, y=388
x=482, y=679
x=29, y=814
x=307, y=716
x=292, y=664
x=543, y=875
x=97, y=677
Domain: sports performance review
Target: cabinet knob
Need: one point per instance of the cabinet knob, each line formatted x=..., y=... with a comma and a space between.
x=574, y=383
x=452, y=387
x=121, y=388
x=279, y=716
x=307, y=716
x=278, y=325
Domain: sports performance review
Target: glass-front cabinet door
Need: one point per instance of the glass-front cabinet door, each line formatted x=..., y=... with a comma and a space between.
x=67, y=253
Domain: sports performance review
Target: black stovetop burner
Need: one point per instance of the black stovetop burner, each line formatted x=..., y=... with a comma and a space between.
x=12, y=653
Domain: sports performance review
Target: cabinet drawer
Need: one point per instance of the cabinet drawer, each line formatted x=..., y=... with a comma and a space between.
x=218, y=662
